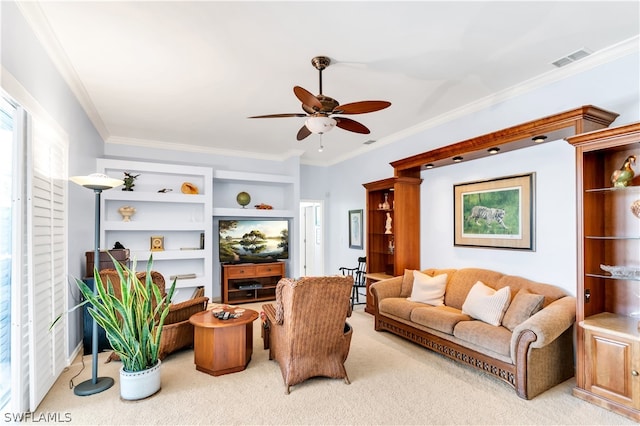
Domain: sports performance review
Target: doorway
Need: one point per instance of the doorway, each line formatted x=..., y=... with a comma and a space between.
x=311, y=238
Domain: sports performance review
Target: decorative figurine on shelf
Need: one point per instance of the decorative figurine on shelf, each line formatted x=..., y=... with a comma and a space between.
x=128, y=181
x=385, y=205
x=126, y=212
x=243, y=198
x=387, y=225
x=624, y=174
x=189, y=188
x=118, y=246
x=391, y=246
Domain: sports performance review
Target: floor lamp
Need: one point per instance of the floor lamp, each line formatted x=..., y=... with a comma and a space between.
x=98, y=183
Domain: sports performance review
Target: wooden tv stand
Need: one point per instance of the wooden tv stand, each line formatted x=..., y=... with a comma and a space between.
x=250, y=282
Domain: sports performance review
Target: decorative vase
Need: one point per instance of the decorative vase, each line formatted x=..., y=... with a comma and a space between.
x=126, y=212
x=139, y=384
x=385, y=204
x=243, y=198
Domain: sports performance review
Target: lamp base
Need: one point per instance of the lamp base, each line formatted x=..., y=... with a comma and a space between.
x=89, y=388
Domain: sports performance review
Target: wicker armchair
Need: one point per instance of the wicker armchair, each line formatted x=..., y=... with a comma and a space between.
x=177, y=332
x=306, y=331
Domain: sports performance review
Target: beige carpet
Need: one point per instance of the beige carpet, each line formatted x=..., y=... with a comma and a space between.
x=393, y=382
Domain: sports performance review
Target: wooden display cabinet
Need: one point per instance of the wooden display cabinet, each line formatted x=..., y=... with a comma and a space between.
x=608, y=306
x=250, y=282
x=390, y=252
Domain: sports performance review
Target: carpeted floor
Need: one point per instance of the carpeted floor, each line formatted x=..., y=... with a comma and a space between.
x=393, y=382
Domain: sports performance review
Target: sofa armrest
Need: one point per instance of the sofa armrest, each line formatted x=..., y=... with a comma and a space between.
x=391, y=287
x=548, y=324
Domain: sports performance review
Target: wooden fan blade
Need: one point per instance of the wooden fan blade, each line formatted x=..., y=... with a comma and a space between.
x=307, y=98
x=361, y=107
x=351, y=125
x=303, y=133
x=293, y=114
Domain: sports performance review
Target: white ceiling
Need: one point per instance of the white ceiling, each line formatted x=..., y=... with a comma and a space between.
x=187, y=75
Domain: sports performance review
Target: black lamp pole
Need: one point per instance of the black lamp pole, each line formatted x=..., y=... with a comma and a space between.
x=97, y=183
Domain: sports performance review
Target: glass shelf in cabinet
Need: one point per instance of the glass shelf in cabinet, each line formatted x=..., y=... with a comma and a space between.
x=632, y=188
x=611, y=277
x=612, y=237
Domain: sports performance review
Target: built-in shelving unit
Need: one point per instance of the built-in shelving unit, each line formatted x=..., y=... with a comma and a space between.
x=608, y=307
x=183, y=221
x=278, y=191
x=391, y=250
x=281, y=192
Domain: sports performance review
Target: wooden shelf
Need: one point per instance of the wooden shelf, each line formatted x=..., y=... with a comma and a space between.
x=608, y=347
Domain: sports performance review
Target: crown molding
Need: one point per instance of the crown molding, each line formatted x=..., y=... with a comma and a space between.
x=624, y=48
x=38, y=22
x=154, y=144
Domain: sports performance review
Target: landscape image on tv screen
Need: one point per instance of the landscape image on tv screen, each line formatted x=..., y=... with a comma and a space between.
x=253, y=240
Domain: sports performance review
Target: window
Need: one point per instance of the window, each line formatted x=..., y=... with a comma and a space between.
x=7, y=184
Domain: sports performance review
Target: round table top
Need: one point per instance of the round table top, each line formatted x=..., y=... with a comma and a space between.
x=206, y=318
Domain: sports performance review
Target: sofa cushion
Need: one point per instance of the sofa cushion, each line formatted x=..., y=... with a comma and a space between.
x=407, y=283
x=479, y=333
x=398, y=306
x=461, y=282
x=523, y=305
x=441, y=318
x=487, y=304
x=429, y=290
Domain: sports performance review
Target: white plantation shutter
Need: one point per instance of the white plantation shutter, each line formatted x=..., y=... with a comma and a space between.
x=47, y=240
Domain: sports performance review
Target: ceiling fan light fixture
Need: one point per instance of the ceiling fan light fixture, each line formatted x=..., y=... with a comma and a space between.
x=320, y=124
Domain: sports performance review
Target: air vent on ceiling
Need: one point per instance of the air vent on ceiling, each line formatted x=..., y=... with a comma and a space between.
x=572, y=57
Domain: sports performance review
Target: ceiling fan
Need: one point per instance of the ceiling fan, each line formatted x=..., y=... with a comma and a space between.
x=320, y=108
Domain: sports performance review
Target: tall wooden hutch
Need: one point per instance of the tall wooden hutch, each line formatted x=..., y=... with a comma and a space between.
x=393, y=228
x=608, y=307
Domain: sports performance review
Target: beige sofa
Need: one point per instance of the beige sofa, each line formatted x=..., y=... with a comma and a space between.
x=532, y=351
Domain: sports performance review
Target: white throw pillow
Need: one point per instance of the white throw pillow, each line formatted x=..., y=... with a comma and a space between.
x=487, y=304
x=428, y=289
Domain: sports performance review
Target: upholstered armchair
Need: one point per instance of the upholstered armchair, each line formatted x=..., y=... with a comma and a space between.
x=177, y=331
x=306, y=331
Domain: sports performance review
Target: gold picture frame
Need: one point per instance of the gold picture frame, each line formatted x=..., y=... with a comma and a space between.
x=496, y=213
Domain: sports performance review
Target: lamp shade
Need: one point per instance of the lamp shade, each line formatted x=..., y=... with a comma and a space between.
x=320, y=124
x=96, y=181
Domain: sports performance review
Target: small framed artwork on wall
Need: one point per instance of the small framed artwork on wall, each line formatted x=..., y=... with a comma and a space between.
x=355, y=229
x=496, y=213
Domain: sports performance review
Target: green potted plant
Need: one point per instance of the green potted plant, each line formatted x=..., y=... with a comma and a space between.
x=133, y=325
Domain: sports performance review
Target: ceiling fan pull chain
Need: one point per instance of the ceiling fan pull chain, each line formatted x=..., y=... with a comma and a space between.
x=321, y=148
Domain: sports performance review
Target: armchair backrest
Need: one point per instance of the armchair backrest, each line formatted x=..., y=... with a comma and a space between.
x=112, y=275
x=313, y=306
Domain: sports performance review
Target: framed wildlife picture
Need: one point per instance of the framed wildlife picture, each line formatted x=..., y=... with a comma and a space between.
x=496, y=213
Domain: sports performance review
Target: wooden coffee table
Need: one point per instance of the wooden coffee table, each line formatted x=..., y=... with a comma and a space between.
x=222, y=346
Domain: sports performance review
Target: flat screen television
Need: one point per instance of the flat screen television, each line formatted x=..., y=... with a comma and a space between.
x=253, y=241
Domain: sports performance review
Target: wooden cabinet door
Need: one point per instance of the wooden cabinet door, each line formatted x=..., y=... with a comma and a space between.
x=612, y=368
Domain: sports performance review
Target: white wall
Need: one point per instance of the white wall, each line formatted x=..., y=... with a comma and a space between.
x=25, y=59
x=614, y=86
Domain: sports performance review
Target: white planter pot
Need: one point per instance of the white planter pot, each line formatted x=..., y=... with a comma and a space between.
x=139, y=384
